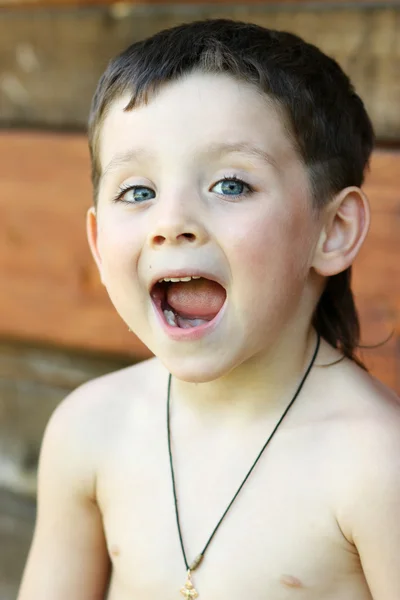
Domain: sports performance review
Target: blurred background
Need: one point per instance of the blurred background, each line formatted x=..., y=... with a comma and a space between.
x=57, y=326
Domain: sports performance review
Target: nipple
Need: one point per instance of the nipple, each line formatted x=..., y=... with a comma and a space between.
x=290, y=581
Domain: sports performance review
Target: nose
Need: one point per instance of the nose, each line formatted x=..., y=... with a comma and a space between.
x=177, y=223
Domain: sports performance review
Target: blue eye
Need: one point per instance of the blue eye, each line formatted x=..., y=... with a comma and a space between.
x=233, y=187
x=140, y=194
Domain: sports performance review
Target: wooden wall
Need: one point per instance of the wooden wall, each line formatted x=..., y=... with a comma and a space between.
x=18, y=4
x=51, y=60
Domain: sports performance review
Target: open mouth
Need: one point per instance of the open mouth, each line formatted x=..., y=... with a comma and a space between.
x=188, y=302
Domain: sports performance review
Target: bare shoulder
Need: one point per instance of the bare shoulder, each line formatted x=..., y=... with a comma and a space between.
x=113, y=390
x=366, y=412
x=352, y=396
x=364, y=442
x=374, y=426
x=93, y=415
x=367, y=404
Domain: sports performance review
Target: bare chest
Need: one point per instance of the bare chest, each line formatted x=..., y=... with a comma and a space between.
x=278, y=541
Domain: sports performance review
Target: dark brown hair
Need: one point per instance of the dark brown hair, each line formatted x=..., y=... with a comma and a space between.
x=324, y=117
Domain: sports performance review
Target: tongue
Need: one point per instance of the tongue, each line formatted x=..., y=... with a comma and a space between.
x=198, y=298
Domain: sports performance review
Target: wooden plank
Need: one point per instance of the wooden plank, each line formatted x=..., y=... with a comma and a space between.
x=381, y=250
x=306, y=3
x=51, y=59
x=50, y=286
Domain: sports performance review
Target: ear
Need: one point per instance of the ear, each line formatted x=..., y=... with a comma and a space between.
x=346, y=223
x=92, y=231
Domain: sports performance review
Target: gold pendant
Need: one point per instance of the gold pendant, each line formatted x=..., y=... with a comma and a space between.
x=188, y=590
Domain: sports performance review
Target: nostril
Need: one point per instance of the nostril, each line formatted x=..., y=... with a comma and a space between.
x=158, y=240
x=189, y=236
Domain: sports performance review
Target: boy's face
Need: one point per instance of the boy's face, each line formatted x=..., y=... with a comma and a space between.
x=258, y=244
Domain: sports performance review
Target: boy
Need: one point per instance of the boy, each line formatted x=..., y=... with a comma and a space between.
x=227, y=164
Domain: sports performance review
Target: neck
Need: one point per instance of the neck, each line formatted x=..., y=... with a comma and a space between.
x=259, y=387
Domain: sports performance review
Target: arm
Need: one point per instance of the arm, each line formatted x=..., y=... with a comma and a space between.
x=374, y=512
x=68, y=556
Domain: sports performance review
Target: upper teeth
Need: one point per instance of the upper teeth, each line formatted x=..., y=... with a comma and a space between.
x=178, y=278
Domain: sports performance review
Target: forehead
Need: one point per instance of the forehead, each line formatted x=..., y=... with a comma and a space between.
x=188, y=116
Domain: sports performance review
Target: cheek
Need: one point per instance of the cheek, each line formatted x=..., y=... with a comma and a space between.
x=272, y=254
x=118, y=248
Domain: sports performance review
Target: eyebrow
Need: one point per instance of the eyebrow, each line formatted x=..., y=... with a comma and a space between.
x=123, y=158
x=217, y=149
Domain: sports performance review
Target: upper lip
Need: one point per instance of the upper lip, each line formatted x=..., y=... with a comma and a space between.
x=187, y=272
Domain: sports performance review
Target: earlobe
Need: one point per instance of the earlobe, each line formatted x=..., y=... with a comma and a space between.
x=92, y=231
x=347, y=219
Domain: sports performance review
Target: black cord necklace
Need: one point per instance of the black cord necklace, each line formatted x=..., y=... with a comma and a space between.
x=188, y=590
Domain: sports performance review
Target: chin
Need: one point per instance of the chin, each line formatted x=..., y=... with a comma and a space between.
x=196, y=369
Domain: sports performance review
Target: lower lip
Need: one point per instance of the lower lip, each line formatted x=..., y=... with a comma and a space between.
x=191, y=333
